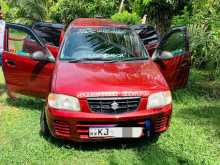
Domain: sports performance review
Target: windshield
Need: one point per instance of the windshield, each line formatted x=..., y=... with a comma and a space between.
x=104, y=44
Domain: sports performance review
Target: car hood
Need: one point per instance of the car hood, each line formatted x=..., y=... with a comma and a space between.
x=108, y=79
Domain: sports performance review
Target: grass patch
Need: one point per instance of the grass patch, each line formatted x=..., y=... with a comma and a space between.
x=193, y=137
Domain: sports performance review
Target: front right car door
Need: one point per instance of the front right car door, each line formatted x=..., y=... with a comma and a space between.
x=175, y=69
x=23, y=74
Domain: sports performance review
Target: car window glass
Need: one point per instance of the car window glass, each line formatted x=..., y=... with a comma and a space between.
x=103, y=43
x=175, y=43
x=49, y=35
x=22, y=43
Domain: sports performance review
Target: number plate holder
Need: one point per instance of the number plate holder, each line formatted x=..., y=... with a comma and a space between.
x=115, y=132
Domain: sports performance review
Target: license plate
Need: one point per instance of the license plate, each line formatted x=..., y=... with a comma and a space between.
x=116, y=132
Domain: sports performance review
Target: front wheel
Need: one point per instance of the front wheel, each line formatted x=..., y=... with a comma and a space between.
x=153, y=138
x=44, y=130
x=10, y=94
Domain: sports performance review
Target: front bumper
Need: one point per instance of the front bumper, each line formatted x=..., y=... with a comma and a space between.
x=75, y=125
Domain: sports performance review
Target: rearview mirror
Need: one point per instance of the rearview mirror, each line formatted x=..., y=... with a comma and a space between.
x=41, y=56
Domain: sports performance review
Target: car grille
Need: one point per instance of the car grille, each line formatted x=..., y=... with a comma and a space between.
x=62, y=128
x=161, y=123
x=114, y=105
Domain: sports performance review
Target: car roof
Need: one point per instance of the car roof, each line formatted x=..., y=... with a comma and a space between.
x=96, y=22
x=49, y=25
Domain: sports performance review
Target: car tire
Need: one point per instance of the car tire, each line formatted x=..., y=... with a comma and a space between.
x=153, y=138
x=11, y=95
x=44, y=130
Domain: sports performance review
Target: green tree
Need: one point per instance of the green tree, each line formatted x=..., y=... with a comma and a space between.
x=126, y=17
x=29, y=10
x=204, y=27
x=66, y=10
x=159, y=12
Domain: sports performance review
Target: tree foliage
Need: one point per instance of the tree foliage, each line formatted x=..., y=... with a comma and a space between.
x=67, y=10
x=203, y=22
x=126, y=17
x=28, y=10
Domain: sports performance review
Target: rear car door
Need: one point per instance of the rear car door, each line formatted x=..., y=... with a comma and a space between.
x=50, y=34
x=23, y=74
x=149, y=36
x=176, y=69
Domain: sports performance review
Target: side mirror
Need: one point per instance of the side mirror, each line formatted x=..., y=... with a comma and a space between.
x=41, y=56
x=164, y=55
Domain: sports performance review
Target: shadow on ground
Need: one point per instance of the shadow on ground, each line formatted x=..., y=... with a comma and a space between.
x=202, y=115
x=108, y=144
x=26, y=103
x=155, y=155
x=143, y=150
x=204, y=110
x=198, y=90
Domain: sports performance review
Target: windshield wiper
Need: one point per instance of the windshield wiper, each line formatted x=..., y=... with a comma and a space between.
x=104, y=60
x=86, y=59
x=129, y=59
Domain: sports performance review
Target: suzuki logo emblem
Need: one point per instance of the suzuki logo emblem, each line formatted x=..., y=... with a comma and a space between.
x=114, y=106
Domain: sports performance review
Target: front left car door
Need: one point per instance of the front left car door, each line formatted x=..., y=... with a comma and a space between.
x=23, y=74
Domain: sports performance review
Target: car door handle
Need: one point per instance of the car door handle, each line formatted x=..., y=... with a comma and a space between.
x=11, y=63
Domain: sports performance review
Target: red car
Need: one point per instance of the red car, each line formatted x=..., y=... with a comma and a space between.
x=103, y=84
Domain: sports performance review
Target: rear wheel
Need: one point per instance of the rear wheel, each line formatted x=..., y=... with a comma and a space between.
x=44, y=130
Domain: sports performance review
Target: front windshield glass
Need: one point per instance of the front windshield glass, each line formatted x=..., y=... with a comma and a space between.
x=102, y=44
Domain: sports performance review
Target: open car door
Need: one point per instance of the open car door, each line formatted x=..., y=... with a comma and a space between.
x=174, y=58
x=22, y=73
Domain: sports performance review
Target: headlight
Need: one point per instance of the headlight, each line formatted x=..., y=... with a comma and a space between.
x=64, y=102
x=160, y=99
